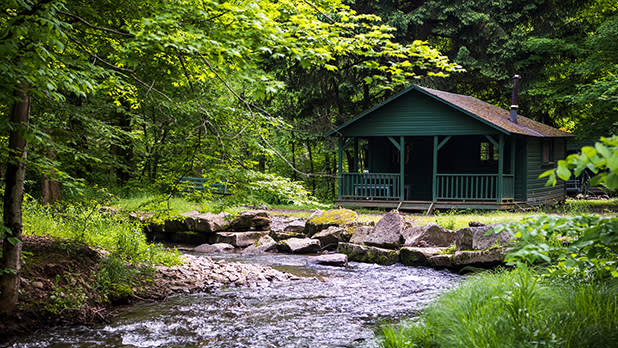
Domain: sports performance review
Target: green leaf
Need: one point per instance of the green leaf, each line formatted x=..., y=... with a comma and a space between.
x=611, y=181
x=547, y=173
x=563, y=173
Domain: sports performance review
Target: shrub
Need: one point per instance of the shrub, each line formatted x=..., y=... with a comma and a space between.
x=582, y=246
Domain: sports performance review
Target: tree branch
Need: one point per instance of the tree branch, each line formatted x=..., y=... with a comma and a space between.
x=109, y=30
x=250, y=108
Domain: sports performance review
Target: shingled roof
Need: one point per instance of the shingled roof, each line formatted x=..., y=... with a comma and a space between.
x=477, y=109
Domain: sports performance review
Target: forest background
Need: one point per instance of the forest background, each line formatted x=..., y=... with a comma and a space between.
x=130, y=97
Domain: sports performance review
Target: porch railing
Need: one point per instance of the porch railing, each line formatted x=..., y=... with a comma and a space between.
x=473, y=187
x=369, y=186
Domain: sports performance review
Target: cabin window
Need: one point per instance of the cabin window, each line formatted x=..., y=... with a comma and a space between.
x=489, y=153
x=548, y=151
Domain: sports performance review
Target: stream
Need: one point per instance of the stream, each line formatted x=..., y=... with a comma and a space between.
x=326, y=307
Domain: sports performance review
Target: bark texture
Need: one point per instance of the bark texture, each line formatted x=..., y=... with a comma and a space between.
x=10, y=264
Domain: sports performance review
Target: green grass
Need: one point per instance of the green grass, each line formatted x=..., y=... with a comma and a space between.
x=458, y=220
x=86, y=223
x=516, y=308
x=153, y=203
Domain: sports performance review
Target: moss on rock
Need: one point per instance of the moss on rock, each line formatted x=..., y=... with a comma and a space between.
x=333, y=217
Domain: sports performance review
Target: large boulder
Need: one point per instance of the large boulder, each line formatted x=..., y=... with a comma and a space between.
x=360, y=233
x=238, y=239
x=206, y=222
x=299, y=245
x=254, y=220
x=214, y=248
x=370, y=254
x=412, y=256
x=264, y=244
x=387, y=233
x=322, y=220
x=478, y=258
x=474, y=238
x=329, y=238
x=430, y=235
x=339, y=260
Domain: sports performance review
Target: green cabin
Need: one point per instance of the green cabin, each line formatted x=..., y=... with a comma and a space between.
x=429, y=149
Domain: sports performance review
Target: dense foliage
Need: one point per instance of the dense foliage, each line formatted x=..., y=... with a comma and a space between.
x=600, y=160
x=584, y=247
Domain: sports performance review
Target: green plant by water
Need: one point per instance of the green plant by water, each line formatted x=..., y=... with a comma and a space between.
x=514, y=308
x=87, y=223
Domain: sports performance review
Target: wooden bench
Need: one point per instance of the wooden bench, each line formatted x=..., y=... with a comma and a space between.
x=195, y=183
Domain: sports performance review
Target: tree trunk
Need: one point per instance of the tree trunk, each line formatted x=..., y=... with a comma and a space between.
x=293, y=160
x=50, y=188
x=10, y=265
x=311, y=166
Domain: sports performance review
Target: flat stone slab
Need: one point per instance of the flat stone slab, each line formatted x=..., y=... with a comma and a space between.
x=441, y=261
x=370, y=254
x=329, y=238
x=338, y=260
x=413, y=256
x=264, y=244
x=295, y=226
x=280, y=235
x=205, y=222
x=257, y=220
x=299, y=245
x=214, y=248
x=479, y=258
x=239, y=239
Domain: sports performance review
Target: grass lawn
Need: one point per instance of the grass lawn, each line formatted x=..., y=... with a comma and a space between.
x=449, y=219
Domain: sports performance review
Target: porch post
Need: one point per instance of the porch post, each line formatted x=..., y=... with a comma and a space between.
x=340, y=167
x=435, y=168
x=500, y=167
x=402, y=158
x=355, y=169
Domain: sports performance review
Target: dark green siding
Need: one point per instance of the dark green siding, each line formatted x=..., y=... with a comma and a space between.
x=416, y=114
x=538, y=193
x=521, y=169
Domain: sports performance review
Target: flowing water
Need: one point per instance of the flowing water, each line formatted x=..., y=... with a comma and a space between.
x=326, y=307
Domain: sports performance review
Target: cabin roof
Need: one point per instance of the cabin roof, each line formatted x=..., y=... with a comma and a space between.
x=484, y=112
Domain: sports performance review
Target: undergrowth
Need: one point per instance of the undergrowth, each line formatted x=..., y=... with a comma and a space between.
x=516, y=308
x=98, y=229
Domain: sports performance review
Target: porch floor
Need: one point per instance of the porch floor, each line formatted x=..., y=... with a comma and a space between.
x=440, y=205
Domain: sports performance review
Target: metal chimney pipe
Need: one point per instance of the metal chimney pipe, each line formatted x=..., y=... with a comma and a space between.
x=514, y=106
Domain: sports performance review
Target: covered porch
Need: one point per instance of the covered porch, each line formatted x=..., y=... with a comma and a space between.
x=420, y=172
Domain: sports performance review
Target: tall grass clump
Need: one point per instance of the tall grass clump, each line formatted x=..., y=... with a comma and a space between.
x=517, y=308
x=86, y=223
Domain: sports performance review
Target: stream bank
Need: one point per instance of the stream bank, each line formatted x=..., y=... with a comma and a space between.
x=59, y=284
x=323, y=307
